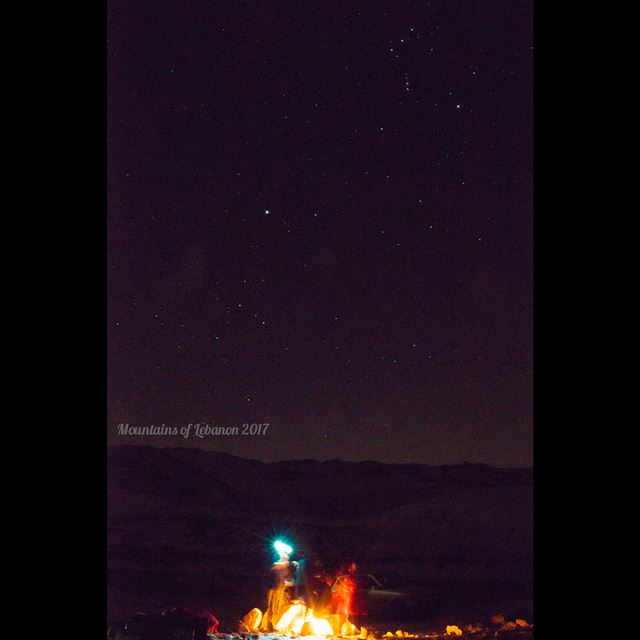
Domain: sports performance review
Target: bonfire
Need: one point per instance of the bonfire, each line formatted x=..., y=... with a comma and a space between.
x=295, y=617
x=300, y=620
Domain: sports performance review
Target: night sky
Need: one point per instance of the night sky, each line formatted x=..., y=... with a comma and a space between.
x=320, y=217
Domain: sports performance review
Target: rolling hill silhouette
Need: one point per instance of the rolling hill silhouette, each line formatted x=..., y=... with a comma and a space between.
x=186, y=525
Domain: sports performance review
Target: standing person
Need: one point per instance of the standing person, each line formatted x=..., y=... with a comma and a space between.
x=342, y=595
x=357, y=606
x=301, y=582
x=320, y=587
x=345, y=595
x=282, y=579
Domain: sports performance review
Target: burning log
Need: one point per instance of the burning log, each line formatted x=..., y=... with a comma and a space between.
x=299, y=617
x=335, y=620
x=292, y=620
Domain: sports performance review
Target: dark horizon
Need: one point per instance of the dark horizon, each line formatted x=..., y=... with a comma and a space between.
x=198, y=527
x=320, y=217
x=130, y=444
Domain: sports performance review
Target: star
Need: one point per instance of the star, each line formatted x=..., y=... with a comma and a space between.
x=198, y=261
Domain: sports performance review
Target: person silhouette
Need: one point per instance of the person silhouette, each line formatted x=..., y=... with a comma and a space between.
x=282, y=580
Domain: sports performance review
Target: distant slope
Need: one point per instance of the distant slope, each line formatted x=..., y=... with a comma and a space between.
x=196, y=525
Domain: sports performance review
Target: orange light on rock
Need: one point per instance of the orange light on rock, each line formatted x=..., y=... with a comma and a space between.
x=349, y=629
x=298, y=618
x=292, y=619
x=320, y=627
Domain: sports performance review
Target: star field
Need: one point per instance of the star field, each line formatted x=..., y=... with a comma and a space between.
x=320, y=216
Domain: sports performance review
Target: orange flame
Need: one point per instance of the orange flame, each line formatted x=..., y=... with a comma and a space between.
x=297, y=616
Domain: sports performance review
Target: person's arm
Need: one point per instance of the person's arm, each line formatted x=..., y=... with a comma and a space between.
x=337, y=583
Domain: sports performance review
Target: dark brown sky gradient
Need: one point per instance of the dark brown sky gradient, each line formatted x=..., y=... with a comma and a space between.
x=320, y=216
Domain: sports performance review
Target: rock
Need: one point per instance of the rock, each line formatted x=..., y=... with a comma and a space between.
x=307, y=629
x=474, y=628
x=349, y=629
x=251, y=622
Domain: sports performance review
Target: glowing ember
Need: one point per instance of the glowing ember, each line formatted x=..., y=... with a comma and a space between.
x=292, y=619
x=298, y=616
x=349, y=629
x=320, y=627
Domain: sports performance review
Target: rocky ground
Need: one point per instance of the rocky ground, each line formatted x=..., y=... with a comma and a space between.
x=195, y=528
x=499, y=630
x=508, y=630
